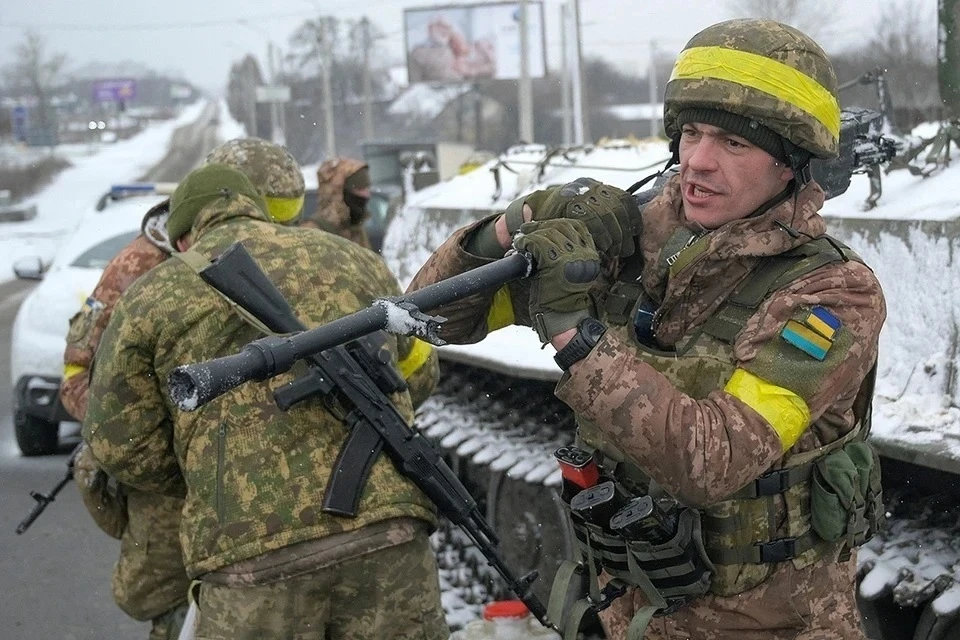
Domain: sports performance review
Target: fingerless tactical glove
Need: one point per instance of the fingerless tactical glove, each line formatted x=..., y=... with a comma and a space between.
x=610, y=214
x=566, y=263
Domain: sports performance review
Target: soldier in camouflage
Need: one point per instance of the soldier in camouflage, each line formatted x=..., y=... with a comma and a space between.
x=269, y=563
x=149, y=581
x=717, y=345
x=343, y=190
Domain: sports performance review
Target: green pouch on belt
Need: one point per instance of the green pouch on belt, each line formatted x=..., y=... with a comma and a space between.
x=845, y=498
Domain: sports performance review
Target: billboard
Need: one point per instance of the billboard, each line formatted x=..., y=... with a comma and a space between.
x=465, y=43
x=114, y=90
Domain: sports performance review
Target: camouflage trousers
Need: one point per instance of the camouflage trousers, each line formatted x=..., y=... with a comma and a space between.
x=814, y=603
x=393, y=593
x=168, y=625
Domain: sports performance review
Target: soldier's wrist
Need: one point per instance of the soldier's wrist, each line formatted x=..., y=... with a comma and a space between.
x=484, y=242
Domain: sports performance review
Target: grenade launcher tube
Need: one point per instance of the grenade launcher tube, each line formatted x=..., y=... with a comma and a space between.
x=192, y=386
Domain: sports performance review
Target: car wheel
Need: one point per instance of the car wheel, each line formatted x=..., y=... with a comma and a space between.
x=35, y=436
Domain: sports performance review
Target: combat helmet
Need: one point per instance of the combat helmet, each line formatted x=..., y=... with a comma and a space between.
x=271, y=168
x=776, y=79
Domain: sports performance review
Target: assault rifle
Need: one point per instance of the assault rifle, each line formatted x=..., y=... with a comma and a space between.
x=357, y=375
x=44, y=499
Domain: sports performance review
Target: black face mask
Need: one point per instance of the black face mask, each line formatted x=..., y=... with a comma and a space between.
x=357, y=205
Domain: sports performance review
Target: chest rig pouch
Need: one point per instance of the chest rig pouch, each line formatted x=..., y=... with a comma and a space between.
x=734, y=545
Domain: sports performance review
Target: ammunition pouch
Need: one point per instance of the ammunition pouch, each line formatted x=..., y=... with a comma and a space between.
x=669, y=572
x=846, y=496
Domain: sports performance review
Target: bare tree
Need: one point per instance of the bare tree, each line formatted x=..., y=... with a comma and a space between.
x=904, y=43
x=805, y=15
x=37, y=72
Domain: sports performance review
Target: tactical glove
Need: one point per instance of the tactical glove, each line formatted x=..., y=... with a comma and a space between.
x=566, y=263
x=610, y=214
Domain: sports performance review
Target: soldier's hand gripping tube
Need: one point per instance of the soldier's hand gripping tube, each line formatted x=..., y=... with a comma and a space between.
x=193, y=385
x=357, y=375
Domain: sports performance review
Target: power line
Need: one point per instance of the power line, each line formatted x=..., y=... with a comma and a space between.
x=152, y=26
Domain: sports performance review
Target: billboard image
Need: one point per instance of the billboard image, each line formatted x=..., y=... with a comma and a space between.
x=463, y=43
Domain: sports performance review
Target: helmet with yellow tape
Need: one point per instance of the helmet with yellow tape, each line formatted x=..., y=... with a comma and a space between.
x=271, y=168
x=760, y=79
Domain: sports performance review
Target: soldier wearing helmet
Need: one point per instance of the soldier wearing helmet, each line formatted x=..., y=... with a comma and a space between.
x=718, y=348
x=149, y=579
x=269, y=563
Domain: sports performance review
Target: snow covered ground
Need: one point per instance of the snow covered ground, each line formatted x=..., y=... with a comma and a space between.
x=76, y=190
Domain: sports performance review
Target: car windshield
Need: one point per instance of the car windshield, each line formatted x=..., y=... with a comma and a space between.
x=97, y=256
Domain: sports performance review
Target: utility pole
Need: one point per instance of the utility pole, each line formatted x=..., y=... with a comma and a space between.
x=524, y=97
x=652, y=79
x=581, y=123
x=565, y=74
x=275, y=133
x=326, y=47
x=367, y=89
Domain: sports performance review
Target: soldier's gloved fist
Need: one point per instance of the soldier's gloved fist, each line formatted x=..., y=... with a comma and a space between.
x=566, y=263
x=610, y=214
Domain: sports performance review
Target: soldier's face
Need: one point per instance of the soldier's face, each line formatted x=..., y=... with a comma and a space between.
x=723, y=177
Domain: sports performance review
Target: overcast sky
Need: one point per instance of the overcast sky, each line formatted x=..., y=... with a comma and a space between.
x=202, y=38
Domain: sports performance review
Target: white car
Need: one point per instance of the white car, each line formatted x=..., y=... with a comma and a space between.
x=40, y=329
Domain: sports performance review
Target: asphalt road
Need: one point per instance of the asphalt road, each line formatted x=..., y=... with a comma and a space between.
x=55, y=578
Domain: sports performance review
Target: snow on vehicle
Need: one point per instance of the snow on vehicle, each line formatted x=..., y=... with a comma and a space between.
x=495, y=417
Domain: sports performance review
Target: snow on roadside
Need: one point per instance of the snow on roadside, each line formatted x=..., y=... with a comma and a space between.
x=75, y=190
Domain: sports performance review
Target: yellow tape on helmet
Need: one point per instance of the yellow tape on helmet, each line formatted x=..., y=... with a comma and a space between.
x=763, y=74
x=283, y=209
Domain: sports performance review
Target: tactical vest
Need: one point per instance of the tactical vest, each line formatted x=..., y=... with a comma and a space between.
x=740, y=541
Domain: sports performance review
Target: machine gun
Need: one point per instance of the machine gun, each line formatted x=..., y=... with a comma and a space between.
x=863, y=148
x=356, y=375
x=44, y=499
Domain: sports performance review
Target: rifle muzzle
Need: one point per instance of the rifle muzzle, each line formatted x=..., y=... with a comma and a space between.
x=192, y=386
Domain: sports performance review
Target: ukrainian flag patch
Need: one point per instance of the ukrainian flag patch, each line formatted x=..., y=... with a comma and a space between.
x=823, y=322
x=806, y=339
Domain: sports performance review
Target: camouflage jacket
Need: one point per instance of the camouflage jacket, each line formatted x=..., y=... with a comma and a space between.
x=332, y=214
x=149, y=578
x=253, y=475
x=716, y=444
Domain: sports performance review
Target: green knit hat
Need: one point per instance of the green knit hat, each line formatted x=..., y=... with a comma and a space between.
x=203, y=187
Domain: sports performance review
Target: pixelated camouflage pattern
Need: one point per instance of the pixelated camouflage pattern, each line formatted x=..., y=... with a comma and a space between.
x=332, y=213
x=816, y=603
x=716, y=443
x=87, y=326
x=389, y=594
x=271, y=167
x=149, y=578
x=775, y=41
x=254, y=476
x=103, y=499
